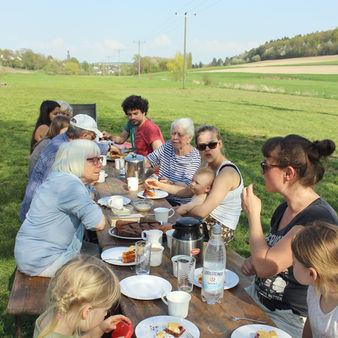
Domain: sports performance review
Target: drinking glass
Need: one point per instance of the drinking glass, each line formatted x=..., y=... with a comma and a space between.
x=142, y=257
x=185, y=273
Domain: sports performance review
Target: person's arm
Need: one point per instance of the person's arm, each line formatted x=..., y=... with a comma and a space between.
x=195, y=201
x=267, y=261
x=248, y=268
x=156, y=144
x=106, y=326
x=101, y=225
x=41, y=132
x=173, y=189
x=307, y=332
x=228, y=179
x=123, y=137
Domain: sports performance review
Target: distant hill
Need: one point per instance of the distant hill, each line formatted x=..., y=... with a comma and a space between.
x=314, y=44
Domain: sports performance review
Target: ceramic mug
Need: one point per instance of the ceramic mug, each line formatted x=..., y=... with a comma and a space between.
x=162, y=214
x=156, y=255
x=102, y=176
x=152, y=236
x=132, y=183
x=115, y=202
x=178, y=303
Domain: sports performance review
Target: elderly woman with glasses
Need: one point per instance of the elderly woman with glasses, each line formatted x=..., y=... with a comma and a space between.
x=291, y=168
x=223, y=203
x=61, y=210
x=177, y=159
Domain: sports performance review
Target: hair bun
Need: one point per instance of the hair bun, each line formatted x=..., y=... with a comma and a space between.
x=324, y=147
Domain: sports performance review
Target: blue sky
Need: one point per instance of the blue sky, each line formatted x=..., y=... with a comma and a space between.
x=95, y=30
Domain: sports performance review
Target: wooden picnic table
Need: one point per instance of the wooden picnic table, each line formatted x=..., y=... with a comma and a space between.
x=236, y=301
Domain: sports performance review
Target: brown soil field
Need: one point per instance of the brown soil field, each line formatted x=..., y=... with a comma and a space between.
x=281, y=66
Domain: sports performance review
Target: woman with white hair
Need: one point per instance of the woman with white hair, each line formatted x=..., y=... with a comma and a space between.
x=65, y=108
x=61, y=210
x=177, y=158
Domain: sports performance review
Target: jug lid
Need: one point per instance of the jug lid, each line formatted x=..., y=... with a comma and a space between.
x=132, y=157
x=186, y=223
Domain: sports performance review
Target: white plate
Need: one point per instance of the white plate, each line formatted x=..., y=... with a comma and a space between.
x=249, y=331
x=104, y=200
x=150, y=326
x=112, y=233
x=231, y=278
x=114, y=256
x=159, y=194
x=145, y=287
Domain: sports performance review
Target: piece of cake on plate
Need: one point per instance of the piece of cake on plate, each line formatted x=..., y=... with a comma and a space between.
x=264, y=334
x=128, y=256
x=174, y=329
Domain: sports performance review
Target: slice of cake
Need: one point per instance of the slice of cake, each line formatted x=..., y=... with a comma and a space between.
x=174, y=329
x=264, y=334
x=128, y=256
x=200, y=277
x=149, y=193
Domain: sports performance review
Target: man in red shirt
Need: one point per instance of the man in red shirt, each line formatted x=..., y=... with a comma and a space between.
x=148, y=136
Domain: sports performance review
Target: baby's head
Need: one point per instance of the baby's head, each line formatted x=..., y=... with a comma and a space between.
x=202, y=181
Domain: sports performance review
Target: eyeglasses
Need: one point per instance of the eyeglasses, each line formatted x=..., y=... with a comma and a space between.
x=265, y=166
x=203, y=146
x=95, y=160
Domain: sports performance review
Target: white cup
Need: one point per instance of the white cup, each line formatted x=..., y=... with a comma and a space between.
x=132, y=183
x=156, y=255
x=174, y=260
x=169, y=234
x=115, y=202
x=162, y=214
x=102, y=176
x=153, y=236
x=104, y=161
x=178, y=303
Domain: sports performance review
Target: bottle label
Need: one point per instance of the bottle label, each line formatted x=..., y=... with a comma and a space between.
x=212, y=280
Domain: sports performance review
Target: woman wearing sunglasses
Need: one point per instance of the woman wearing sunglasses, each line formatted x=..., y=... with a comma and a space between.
x=223, y=203
x=291, y=168
x=61, y=210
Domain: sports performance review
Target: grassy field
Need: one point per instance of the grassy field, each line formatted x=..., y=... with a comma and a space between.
x=247, y=108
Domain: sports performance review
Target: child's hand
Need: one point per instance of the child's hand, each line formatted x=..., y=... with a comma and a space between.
x=110, y=323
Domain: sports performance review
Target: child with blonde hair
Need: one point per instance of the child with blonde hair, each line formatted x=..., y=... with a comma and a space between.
x=200, y=186
x=315, y=263
x=79, y=297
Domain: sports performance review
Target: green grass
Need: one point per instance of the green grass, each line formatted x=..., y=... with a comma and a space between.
x=244, y=107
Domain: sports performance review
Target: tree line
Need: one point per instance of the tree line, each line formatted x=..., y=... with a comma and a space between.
x=314, y=44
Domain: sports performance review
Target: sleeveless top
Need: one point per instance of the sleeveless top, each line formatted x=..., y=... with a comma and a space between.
x=229, y=210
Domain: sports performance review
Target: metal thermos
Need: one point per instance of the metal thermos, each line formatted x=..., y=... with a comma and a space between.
x=135, y=166
x=187, y=238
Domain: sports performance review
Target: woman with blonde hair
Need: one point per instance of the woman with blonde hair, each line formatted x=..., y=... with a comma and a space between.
x=291, y=167
x=78, y=299
x=61, y=210
x=315, y=263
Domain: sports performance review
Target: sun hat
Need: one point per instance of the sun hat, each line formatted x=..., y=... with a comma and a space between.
x=85, y=122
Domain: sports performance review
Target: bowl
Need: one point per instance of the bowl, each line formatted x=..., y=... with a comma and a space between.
x=143, y=205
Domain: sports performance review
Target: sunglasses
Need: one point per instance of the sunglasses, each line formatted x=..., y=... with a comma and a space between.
x=203, y=146
x=266, y=167
x=95, y=160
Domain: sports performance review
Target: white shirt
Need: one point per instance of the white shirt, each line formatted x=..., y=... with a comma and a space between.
x=322, y=324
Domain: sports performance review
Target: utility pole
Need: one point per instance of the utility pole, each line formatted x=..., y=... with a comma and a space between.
x=139, y=58
x=185, y=47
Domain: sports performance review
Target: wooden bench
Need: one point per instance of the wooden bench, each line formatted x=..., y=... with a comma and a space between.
x=27, y=297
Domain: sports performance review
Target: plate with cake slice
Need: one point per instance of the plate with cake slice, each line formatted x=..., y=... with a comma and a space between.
x=231, y=278
x=166, y=326
x=120, y=255
x=259, y=330
x=152, y=194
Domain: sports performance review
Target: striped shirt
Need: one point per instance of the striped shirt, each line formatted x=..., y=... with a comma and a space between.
x=173, y=167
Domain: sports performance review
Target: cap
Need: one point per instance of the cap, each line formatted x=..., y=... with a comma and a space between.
x=85, y=122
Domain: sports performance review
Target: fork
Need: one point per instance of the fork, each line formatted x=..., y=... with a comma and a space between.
x=250, y=319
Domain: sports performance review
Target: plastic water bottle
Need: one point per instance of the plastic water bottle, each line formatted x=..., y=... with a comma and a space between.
x=214, y=268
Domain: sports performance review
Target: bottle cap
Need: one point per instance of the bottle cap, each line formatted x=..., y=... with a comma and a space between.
x=216, y=229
